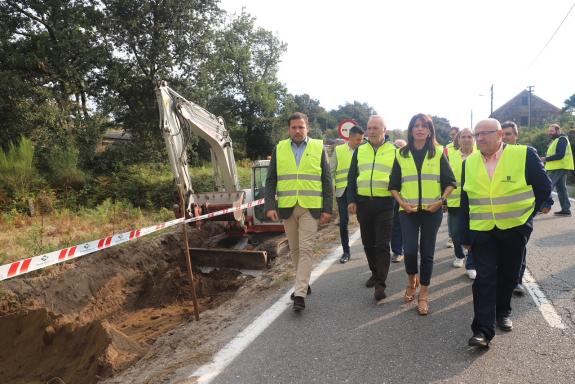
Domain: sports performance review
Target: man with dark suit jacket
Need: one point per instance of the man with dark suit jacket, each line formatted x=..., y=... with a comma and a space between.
x=299, y=175
x=503, y=187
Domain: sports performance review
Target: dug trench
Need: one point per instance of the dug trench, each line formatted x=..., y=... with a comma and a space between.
x=125, y=312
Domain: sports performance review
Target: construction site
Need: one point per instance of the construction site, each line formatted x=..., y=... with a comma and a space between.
x=129, y=309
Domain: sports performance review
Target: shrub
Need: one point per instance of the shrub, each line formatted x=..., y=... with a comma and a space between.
x=18, y=176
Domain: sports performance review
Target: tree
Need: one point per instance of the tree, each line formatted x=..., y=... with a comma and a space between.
x=51, y=54
x=569, y=104
x=319, y=118
x=246, y=90
x=442, y=128
x=55, y=45
x=360, y=112
x=152, y=40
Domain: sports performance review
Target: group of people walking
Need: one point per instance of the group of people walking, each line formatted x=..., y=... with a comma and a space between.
x=491, y=189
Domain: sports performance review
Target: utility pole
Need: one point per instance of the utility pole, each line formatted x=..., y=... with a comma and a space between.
x=530, y=89
x=491, y=111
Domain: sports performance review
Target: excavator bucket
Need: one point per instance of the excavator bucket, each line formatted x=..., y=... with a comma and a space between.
x=216, y=201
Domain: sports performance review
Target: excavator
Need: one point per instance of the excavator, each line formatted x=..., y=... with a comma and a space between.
x=179, y=120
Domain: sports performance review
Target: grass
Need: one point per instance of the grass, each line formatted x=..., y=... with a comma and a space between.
x=22, y=236
x=147, y=186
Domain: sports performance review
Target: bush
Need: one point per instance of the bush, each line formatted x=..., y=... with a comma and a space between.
x=63, y=166
x=18, y=176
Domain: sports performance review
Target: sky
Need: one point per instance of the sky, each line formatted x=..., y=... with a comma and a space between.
x=434, y=57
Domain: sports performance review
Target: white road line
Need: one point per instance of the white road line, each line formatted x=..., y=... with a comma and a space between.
x=230, y=351
x=555, y=194
x=543, y=303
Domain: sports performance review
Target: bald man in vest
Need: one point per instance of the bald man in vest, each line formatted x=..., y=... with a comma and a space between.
x=299, y=175
x=503, y=187
x=369, y=197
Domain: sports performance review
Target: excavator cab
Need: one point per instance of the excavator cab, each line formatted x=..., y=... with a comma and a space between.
x=256, y=219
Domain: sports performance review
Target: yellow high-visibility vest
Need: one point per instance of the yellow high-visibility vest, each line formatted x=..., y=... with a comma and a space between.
x=299, y=185
x=430, y=180
x=374, y=169
x=565, y=163
x=504, y=200
x=456, y=162
x=343, y=154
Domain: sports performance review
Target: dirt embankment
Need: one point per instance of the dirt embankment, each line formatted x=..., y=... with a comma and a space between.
x=92, y=318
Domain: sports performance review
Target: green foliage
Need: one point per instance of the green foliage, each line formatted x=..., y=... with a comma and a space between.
x=360, y=112
x=442, y=128
x=569, y=104
x=244, y=69
x=63, y=168
x=18, y=176
x=535, y=137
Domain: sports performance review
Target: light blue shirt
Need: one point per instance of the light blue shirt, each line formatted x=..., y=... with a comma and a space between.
x=298, y=150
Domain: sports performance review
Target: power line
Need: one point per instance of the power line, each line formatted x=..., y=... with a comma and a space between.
x=552, y=36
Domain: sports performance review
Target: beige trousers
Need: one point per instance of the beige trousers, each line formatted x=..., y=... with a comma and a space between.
x=300, y=228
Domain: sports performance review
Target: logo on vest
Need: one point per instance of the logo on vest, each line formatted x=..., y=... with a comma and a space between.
x=508, y=180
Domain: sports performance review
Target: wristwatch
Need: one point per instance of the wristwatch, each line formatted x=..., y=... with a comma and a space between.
x=443, y=200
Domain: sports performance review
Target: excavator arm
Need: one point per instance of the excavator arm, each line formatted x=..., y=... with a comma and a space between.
x=179, y=120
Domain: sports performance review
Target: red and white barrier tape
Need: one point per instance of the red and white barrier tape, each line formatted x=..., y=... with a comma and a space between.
x=20, y=267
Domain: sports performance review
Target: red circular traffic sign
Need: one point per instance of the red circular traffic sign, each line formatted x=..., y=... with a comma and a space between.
x=344, y=126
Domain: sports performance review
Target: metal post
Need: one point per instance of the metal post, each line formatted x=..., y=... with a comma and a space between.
x=471, y=125
x=530, y=89
x=189, y=258
x=491, y=110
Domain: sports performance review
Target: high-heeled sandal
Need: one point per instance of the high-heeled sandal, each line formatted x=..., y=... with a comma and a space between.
x=423, y=301
x=411, y=290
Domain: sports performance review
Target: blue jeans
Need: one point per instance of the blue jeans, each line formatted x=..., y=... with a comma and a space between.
x=343, y=222
x=396, y=239
x=453, y=224
x=419, y=231
x=559, y=183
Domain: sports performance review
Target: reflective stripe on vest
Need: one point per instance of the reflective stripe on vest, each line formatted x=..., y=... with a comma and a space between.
x=299, y=185
x=456, y=162
x=565, y=163
x=430, y=179
x=343, y=154
x=374, y=169
x=503, y=201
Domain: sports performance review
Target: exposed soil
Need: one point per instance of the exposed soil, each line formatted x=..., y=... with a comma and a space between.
x=126, y=313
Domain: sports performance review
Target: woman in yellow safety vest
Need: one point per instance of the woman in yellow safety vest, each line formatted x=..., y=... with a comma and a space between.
x=420, y=181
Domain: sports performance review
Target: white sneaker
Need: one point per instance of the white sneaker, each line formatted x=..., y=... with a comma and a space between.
x=449, y=242
x=458, y=263
x=471, y=273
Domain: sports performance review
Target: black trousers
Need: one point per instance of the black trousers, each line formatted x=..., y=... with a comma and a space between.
x=498, y=255
x=413, y=225
x=343, y=222
x=375, y=224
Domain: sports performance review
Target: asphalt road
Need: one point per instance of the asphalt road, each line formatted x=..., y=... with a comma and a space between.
x=344, y=337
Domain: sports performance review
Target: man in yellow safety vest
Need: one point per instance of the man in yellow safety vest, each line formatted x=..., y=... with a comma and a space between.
x=300, y=177
x=340, y=169
x=558, y=162
x=369, y=197
x=503, y=187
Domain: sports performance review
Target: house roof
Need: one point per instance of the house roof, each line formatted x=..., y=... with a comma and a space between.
x=533, y=98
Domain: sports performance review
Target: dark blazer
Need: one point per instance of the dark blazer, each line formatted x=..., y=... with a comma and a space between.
x=326, y=189
x=535, y=176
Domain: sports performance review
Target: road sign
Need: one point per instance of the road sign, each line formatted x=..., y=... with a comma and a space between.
x=344, y=126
